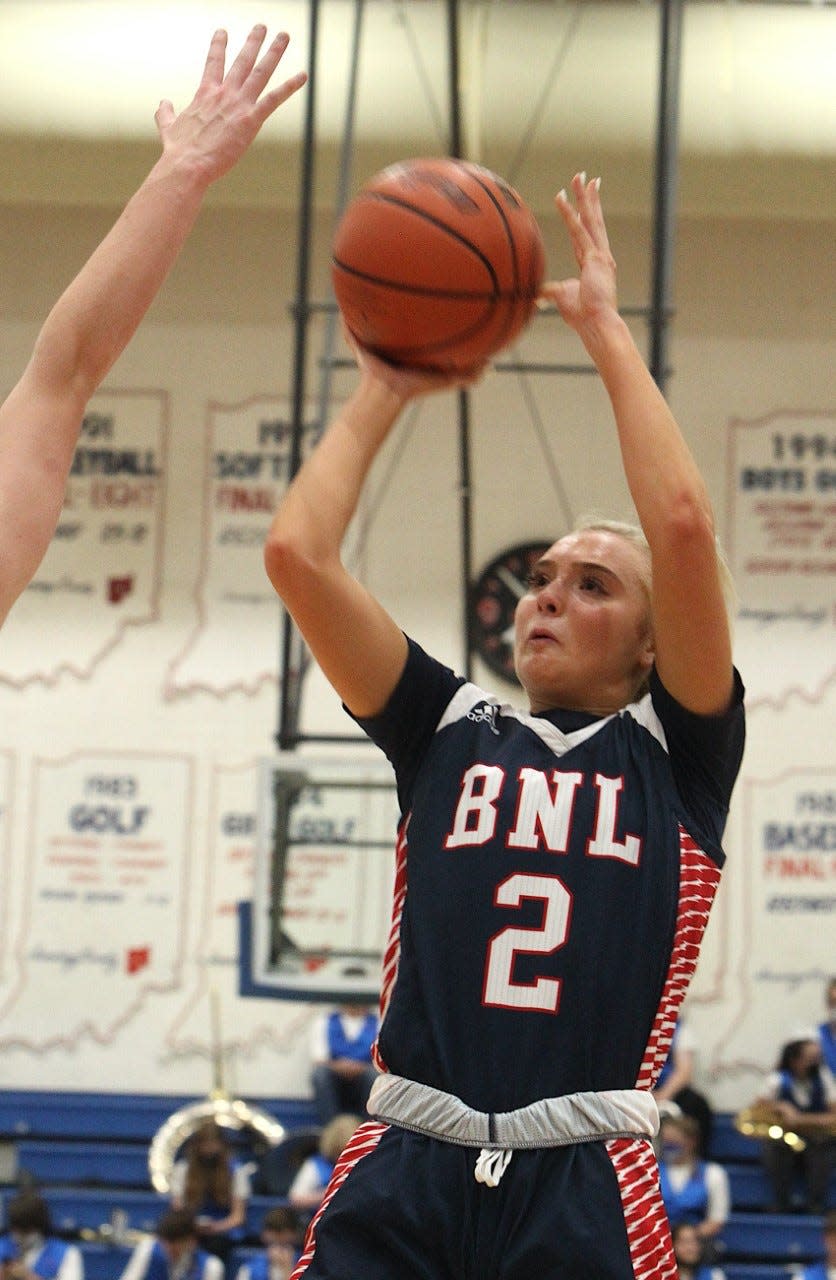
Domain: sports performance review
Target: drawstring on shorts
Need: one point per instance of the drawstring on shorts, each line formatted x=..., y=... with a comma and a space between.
x=490, y=1165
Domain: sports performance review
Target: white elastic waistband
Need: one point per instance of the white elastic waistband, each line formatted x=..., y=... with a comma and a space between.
x=549, y=1122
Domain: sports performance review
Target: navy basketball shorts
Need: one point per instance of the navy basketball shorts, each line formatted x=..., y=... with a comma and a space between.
x=402, y=1206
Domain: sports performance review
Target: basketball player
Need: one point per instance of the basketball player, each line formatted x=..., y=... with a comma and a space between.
x=555, y=866
x=96, y=316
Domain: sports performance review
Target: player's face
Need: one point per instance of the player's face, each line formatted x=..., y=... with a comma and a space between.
x=582, y=631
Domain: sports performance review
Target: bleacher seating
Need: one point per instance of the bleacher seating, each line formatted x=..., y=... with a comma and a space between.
x=758, y=1271
x=771, y=1236
x=118, y=1164
x=88, y=1154
x=113, y=1117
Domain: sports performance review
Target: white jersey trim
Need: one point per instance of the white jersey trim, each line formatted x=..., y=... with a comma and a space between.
x=644, y=713
x=469, y=695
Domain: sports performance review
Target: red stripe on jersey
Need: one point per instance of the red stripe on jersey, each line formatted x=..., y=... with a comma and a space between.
x=648, y=1233
x=698, y=880
x=361, y=1143
x=392, y=954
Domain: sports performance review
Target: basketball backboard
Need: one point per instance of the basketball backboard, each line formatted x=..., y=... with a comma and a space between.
x=324, y=871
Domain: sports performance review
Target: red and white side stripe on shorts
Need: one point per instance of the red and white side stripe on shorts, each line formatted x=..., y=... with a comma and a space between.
x=362, y=1143
x=648, y=1233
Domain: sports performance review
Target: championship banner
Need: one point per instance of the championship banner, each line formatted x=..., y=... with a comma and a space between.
x=105, y=899
x=235, y=643
x=102, y=571
x=788, y=866
x=782, y=545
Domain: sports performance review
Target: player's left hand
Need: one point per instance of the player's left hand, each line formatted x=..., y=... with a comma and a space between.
x=227, y=111
x=585, y=299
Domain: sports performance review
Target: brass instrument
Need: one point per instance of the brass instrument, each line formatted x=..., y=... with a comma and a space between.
x=765, y=1120
x=227, y=1112
x=108, y=1233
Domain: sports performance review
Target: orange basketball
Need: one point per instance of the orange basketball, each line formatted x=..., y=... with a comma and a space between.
x=437, y=264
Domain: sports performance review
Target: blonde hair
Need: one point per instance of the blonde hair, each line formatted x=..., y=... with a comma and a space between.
x=336, y=1134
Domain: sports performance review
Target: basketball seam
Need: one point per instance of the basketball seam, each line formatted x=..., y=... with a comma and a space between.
x=512, y=244
x=423, y=291
x=443, y=226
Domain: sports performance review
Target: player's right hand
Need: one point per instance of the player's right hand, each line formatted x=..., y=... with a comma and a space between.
x=408, y=383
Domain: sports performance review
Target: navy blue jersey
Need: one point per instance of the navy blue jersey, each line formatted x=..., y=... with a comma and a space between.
x=553, y=882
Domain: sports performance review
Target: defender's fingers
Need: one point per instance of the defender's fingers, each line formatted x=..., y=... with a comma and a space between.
x=264, y=68
x=267, y=105
x=213, y=69
x=245, y=61
x=589, y=207
x=580, y=237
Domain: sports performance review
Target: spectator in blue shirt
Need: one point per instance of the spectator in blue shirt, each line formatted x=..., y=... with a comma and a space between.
x=694, y=1190
x=214, y=1185
x=341, y=1053
x=281, y=1236
x=311, y=1182
x=30, y=1251
x=803, y=1091
x=173, y=1253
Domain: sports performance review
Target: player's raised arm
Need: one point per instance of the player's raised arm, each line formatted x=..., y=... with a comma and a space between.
x=98, y=313
x=358, y=646
x=691, y=629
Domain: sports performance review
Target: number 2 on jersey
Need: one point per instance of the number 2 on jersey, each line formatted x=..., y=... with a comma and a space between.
x=500, y=989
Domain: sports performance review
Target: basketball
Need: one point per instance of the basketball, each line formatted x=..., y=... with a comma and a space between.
x=437, y=264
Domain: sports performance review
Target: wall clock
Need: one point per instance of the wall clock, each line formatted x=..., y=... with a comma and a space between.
x=493, y=601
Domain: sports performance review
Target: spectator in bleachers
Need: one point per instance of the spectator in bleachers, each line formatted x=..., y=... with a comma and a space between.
x=30, y=1251
x=173, y=1253
x=827, y=1029
x=281, y=1236
x=803, y=1092
x=694, y=1190
x=213, y=1185
x=341, y=1053
x=676, y=1084
x=826, y=1269
x=309, y=1185
x=688, y=1250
